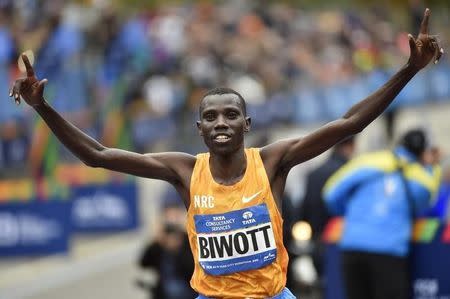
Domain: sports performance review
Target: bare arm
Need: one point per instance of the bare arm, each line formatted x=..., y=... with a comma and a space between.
x=284, y=155
x=163, y=166
x=175, y=168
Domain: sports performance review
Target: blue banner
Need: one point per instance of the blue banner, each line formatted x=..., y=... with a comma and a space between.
x=430, y=268
x=34, y=228
x=108, y=207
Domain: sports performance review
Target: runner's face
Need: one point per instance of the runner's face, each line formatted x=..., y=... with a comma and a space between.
x=222, y=123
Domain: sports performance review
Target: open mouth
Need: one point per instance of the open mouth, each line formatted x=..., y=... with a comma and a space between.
x=221, y=138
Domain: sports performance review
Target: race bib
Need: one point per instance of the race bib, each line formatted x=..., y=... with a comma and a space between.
x=235, y=241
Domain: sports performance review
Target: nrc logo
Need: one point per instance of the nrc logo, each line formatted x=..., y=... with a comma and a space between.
x=203, y=201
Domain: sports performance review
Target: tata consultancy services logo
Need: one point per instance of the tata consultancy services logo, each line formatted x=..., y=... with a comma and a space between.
x=248, y=218
x=247, y=215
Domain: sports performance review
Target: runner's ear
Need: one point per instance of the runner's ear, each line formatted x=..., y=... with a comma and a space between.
x=198, y=127
x=248, y=122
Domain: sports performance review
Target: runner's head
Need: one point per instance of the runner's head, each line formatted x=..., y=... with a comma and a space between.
x=223, y=91
x=223, y=120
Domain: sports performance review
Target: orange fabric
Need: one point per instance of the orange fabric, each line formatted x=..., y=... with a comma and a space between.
x=218, y=199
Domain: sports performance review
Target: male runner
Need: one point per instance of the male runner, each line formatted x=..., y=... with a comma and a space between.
x=233, y=195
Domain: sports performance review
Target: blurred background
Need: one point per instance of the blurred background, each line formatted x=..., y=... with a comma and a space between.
x=131, y=75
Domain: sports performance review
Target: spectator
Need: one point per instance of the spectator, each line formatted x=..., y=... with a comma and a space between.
x=13, y=130
x=379, y=194
x=170, y=258
x=313, y=209
x=441, y=208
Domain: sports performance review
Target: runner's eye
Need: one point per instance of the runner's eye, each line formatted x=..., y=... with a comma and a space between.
x=209, y=116
x=232, y=115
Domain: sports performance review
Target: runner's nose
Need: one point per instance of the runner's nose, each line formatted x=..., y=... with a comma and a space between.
x=221, y=123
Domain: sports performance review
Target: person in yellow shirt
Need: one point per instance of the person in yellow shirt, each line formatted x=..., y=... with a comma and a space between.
x=232, y=194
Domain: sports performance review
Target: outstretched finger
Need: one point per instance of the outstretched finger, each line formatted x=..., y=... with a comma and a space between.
x=29, y=68
x=424, y=24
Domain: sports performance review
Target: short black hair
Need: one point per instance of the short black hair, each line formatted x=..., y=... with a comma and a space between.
x=224, y=90
x=415, y=141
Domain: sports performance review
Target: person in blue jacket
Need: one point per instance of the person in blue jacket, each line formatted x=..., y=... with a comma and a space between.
x=441, y=206
x=378, y=194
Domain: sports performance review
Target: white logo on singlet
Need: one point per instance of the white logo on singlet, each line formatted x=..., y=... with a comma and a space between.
x=250, y=198
x=203, y=201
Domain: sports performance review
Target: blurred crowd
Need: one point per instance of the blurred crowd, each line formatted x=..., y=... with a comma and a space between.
x=133, y=78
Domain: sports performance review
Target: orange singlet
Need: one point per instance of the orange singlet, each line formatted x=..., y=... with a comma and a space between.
x=235, y=234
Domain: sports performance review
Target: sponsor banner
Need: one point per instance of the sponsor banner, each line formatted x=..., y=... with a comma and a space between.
x=332, y=271
x=430, y=267
x=235, y=241
x=34, y=228
x=105, y=207
x=430, y=262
